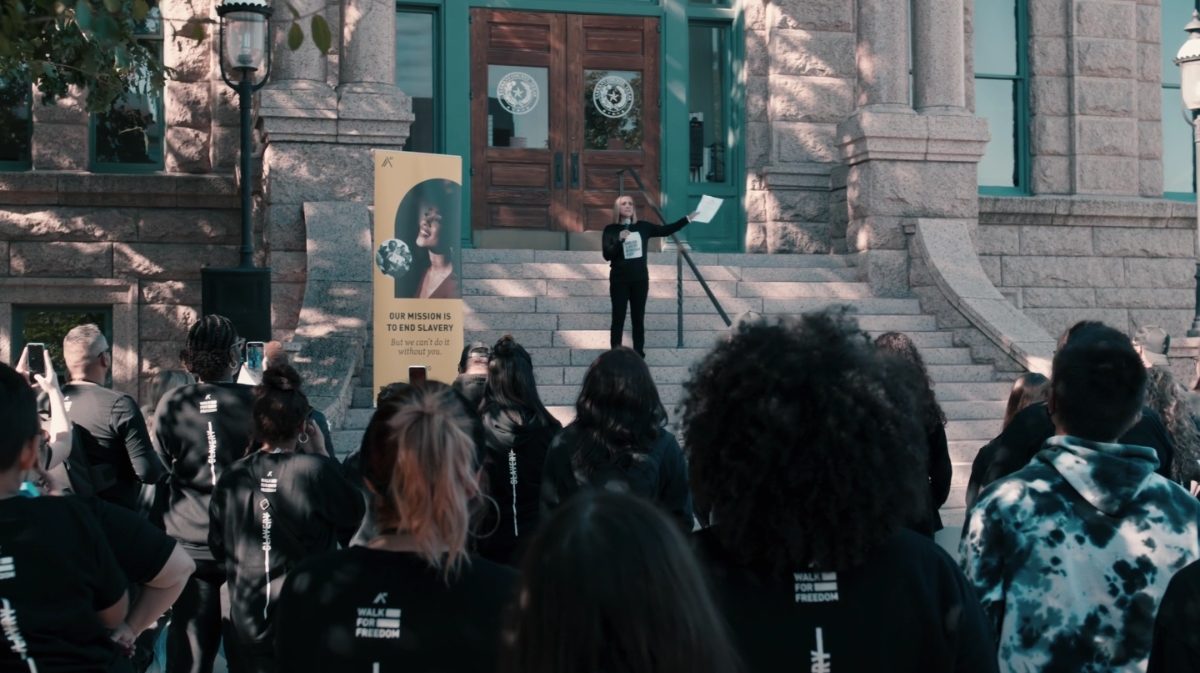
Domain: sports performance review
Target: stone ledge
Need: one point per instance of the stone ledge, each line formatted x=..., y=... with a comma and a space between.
x=158, y=190
x=1085, y=210
x=954, y=267
x=902, y=136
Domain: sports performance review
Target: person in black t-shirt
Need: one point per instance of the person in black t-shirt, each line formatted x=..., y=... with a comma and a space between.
x=618, y=440
x=625, y=244
x=610, y=584
x=517, y=430
x=274, y=508
x=202, y=429
x=804, y=439
x=60, y=588
x=413, y=599
x=1176, y=645
x=110, y=423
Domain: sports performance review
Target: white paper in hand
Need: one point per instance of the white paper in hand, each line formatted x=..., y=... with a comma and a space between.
x=633, y=245
x=709, y=205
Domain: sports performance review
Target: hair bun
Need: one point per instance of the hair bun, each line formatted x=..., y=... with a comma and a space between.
x=281, y=377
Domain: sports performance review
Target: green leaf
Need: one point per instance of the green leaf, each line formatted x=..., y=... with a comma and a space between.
x=295, y=36
x=140, y=10
x=295, y=12
x=113, y=6
x=321, y=35
x=83, y=14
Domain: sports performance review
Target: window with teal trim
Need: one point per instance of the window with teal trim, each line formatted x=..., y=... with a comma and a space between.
x=1002, y=93
x=1177, y=145
x=418, y=73
x=708, y=95
x=129, y=136
x=16, y=121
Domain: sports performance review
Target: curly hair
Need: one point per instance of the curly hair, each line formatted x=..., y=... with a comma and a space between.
x=1170, y=400
x=618, y=411
x=804, y=439
x=898, y=344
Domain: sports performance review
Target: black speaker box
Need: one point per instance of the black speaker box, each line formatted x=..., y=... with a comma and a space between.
x=242, y=295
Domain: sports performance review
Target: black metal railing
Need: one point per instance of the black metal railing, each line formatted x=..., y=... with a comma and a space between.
x=681, y=256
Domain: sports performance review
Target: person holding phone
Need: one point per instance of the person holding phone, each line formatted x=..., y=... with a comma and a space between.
x=624, y=245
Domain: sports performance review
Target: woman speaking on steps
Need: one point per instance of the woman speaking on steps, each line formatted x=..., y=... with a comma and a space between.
x=624, y=245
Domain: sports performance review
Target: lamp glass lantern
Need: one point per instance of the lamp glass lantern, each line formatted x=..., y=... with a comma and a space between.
x=245, y=39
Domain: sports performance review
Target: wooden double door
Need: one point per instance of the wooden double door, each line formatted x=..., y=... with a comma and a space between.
x=560, y=103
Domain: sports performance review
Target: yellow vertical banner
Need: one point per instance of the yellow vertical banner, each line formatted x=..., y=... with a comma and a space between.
x=418, y=305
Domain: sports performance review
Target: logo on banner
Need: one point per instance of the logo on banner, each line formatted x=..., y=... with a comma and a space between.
x=613, y=96
x=518, y=93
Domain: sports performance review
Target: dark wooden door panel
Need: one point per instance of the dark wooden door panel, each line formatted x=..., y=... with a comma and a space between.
x=596, y=81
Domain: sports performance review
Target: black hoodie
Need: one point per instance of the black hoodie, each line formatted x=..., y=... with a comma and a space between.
x=516, y=455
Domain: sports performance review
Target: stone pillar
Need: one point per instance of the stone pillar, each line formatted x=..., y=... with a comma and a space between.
x=371, y=110
x=882, y=54
x=901, y=166
x=298, y=103
x=189, y=94
x=939, y=61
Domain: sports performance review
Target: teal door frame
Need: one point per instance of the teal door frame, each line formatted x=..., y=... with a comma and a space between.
x=679, y=195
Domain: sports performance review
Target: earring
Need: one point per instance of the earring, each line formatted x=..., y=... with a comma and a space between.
x=303, y=438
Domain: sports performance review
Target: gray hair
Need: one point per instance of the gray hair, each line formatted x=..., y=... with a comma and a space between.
x=81, y=345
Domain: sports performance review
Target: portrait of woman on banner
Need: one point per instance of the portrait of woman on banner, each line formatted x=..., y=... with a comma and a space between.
x=423, y=258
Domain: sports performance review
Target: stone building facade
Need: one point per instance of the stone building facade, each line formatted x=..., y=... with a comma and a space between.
x=853, y=128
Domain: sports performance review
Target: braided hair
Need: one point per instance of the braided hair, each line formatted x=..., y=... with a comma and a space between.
x=209, y=342
x=280, y=407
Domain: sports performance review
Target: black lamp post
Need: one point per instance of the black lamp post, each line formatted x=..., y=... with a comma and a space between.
x=243, y=294
x=1188, y=60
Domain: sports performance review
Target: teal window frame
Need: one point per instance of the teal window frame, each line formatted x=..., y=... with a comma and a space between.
x=730, y=22
x=1177, y=108
x=159, y=164
x=25, y=163
x=1023, y=152
x=434, y=9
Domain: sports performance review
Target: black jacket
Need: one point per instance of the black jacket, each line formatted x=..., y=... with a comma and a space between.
x=516, y=456
x=1023, y=438
x=613, y=251
x=659, y=474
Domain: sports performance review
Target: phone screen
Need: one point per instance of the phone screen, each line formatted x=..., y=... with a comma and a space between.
x=417, y=374
x=254, y=355
x=36, y=358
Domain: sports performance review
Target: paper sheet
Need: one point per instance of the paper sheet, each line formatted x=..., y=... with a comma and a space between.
x=633, y=245
x=707, y=209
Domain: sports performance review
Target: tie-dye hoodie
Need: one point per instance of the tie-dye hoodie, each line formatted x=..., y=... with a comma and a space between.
x=1071, y=554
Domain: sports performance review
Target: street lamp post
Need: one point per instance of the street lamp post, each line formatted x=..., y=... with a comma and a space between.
x=1188, y=60
x=243, y=294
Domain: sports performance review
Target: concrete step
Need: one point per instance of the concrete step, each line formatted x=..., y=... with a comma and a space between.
x=983, y=431
x=495, y=256
x=974, y=410
x=960, y=391
x=964, y=450
x=346, y=441
x=946, y=356
x=956, y=501
x=364, y=397
x=357, y=419
x=922, y=339
x=668, y=289
x=583, y=357
x=598, y=338
x=978, y=373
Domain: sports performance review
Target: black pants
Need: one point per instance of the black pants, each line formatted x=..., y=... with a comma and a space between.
x=629, y=289
x=194, y=636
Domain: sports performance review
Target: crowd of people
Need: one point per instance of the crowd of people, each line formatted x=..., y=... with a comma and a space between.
x=787, y=524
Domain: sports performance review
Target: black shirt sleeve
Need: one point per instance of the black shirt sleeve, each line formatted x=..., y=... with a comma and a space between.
x=128, y=423
x=650, y=229
x=216, y=515
x=140, y=549
x=975, y=650
x=1176, y=645
x=558, y=479
x=675, y=495
x=108, y=583
x=343, y=503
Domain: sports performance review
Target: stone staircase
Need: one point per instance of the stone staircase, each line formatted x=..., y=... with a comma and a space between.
x=556, y=304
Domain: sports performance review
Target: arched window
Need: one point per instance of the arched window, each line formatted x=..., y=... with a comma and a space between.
x=1002, y=93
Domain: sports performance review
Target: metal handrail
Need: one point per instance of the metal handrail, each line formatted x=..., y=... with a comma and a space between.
x=681, y=256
